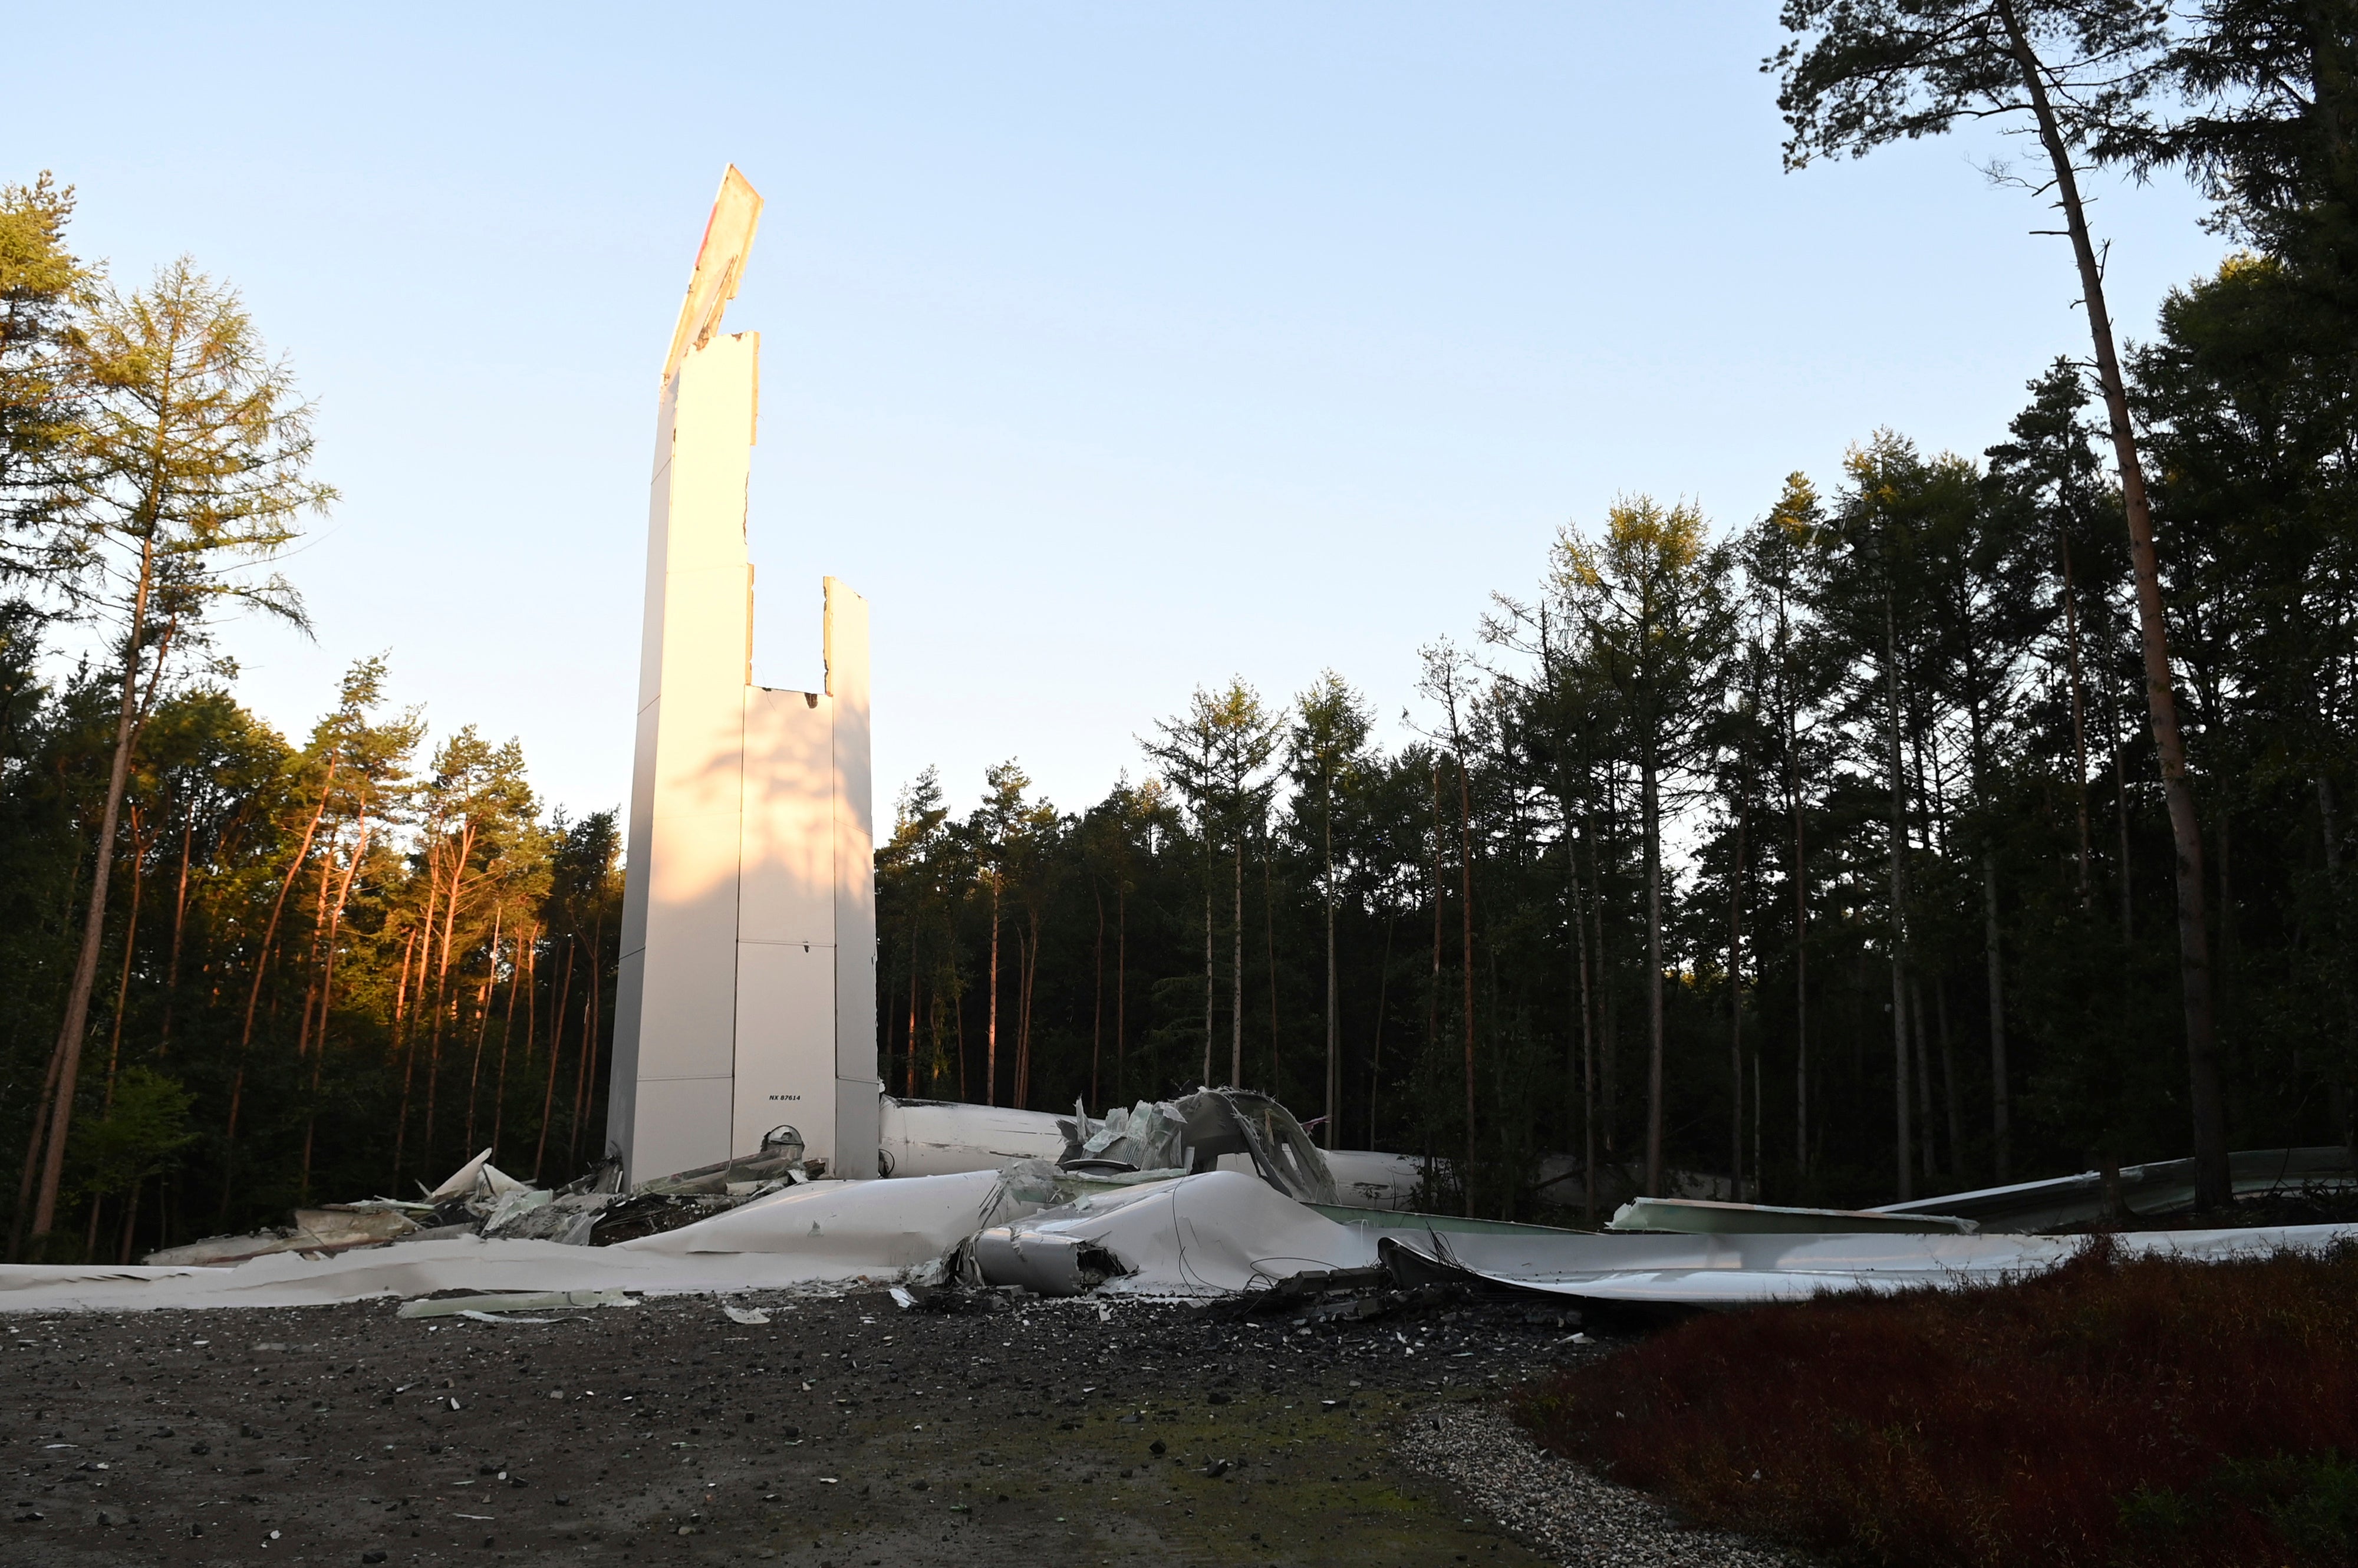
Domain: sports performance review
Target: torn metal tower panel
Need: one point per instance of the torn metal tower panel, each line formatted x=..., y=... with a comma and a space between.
x=747, y=996
x=1703, y=1217
x=1727, y=1271
x=936, y=1137
x=2160, y=1186
x=1213, y=1234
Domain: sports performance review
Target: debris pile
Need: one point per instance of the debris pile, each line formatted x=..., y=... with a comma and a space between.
x=1152, y=1141
x=1356, y=1295
x=1208, y=1130
x=1214, y=1195
x=668, y=1202
x=331, y=1228
x=480, y=1199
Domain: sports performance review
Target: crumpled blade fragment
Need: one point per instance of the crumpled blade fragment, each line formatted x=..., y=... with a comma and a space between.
x=1197, y=1236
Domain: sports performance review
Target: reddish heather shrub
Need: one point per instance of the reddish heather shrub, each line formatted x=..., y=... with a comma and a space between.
x=2112, y=1412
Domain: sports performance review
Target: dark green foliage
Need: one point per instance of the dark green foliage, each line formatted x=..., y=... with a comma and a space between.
x=1860, y=73
x=216, y=807
x=136, y=1139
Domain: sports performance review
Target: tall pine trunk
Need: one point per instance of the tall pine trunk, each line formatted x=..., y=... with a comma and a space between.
x=1587, y=1040
x=254, y=992
x=1236, y=972
x=592, y=1047
x=1466, y=944
x=555, y=1050
x=1896, y=783
x=1269, y=939
x=990, y=1029
x=1800, y=979
x=507, y=1036
x=1649, y=806
x=1735, y=1003
x=1121, y=991
x=130, y=946
x=327, y=996
x=1433, y=991
x=442, y=1000
x=1097, y=995
x=2001, y=1111
x=1207, y=960
x=67, y=1054
x=484, y=1019
x=2205, y=1098
x=1334, y=1025
x=2079, y=712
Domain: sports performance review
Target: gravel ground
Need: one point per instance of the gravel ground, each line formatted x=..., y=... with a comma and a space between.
x=843, y=1432
x=1566, y=1512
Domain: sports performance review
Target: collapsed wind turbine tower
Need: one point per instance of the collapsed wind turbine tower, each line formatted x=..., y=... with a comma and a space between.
x=747, y=996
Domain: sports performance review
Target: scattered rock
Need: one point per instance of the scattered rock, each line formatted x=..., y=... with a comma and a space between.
x=1562, y=1508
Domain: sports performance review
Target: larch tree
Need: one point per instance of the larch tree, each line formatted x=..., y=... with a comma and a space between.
x=41, y=285
x=996, y=829
x=1245, y=741
x=193, y=452
x=902, y=862
x=1186, y=753
x=1874, y=573
x=1448, y=681
x=1217, y=756
x=1325, y=746
x=1777, y=560
x=1649, y=598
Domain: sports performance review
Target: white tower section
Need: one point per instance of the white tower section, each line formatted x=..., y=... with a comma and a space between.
x=747, y=998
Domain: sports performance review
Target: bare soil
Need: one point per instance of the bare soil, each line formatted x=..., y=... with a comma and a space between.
x=844, y=1431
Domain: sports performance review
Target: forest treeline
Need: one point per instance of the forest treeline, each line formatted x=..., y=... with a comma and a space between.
x=244, y=973
x=1958, y=818
x=1955, y=818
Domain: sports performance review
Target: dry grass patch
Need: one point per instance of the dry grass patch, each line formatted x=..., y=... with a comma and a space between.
x=2113, y=1414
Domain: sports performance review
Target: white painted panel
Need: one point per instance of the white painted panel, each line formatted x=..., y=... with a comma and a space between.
x=698, y=741
x=687, y=1008
x=786, y=1057
x=651, y=622
x=638, y=840
x=711, y=450
x=856, y=1128
x=622, y=1082
x=788, y=853
x=680, y=897
x=686, y=1004
x=855, y=849
x=682, y=1123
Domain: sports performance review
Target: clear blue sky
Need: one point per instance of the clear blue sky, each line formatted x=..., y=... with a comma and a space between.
x=1109, y=351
